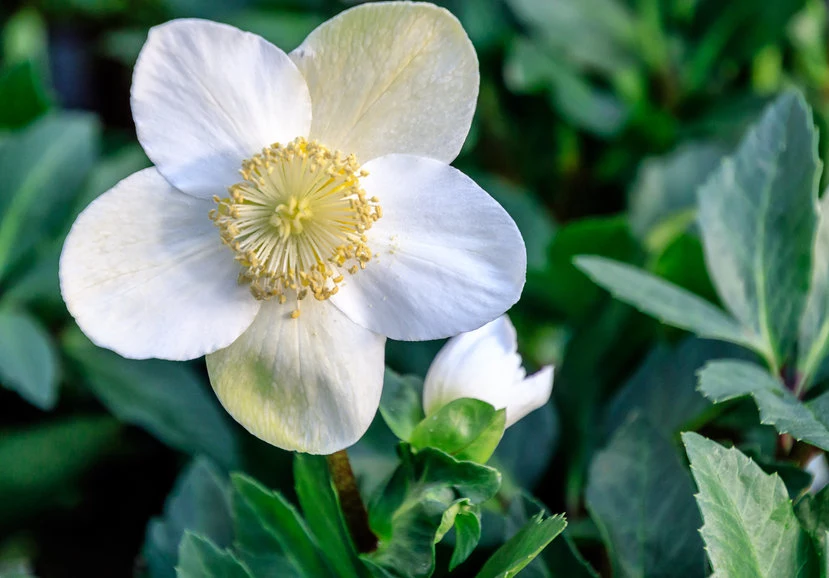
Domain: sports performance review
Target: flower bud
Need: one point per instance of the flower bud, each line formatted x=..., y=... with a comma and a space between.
x=484, y=364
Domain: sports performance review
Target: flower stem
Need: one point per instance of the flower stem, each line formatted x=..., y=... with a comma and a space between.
x=356, y=516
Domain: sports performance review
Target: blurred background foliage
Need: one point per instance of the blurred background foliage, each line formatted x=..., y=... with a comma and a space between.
x=596, y=122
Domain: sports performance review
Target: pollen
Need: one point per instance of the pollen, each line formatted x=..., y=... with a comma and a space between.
x=297, y=221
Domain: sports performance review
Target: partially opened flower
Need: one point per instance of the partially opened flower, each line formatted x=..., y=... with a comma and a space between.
x=484, y=364
x=300, y=210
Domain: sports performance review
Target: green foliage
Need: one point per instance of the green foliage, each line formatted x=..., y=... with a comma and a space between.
x=637, y=489
x=28, y=360
x=400, y=404
x=750, y=528
x=520, y=550
x=409, y=512
x=467, y=429
x=200, y=558
x=757, y=215
x=724, y=380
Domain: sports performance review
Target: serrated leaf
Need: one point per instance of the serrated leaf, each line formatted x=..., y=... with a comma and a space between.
x=200, y=503
x=813, y=341
x=465, y=428
x=724, y=380
x=281, y=520
x=407, y=514
x=662, y=300
x=750, y=530
x=42, y=168
x=642, y=497
x=401, y=403
x=28, y=359
x=758, y=215
x=323, y=514
x=522, y=548
x=165, y=398
x=200, y=558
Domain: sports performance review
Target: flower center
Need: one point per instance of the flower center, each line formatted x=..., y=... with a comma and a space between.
x=297, y=221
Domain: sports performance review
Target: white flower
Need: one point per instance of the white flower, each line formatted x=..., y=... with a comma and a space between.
x=314, y=182
x=484, y=364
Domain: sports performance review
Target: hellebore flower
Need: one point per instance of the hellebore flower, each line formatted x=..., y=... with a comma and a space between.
x=484, y=364
x=300, y=210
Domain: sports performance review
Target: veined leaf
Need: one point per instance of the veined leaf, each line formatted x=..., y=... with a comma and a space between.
x=750, y=529
x=200, y=558
x=758, y=215
x=723, y=380
x=28, y=360
x=666, y=302
x=642, y=497
x=521, y=549
x=813, y=342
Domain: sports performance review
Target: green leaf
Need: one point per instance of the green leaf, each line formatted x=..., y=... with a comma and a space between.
x=724, y=380
x=522, y=548
x=666, y=187
x=664, y=387
x=167, y=399
x=41, y=464
x=642, y=497
x=200, y=503
x=466, y=428
x=813, y=514
x=564, y=286
x=323, y=514
x=758, y=216
x=750, y=530
x=666, y=302
x=42, y=168
x=525, y=451
x=28, y=360
x=25, y=37
x=401, y=403
x=200, y=558
x=409, y=512
x=813, y=342
x=467, y=534
x=22, y=94
x=282, y=521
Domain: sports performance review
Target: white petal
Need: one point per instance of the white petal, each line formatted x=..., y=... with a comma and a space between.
x=530, y=394
x=481, y=364
x=144, y=273
x=448, y=258
x=484, y=364
x=310, y=384
x=206, y=96
x=391, y=77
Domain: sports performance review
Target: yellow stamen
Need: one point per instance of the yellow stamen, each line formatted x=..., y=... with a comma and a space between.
x=297, y=221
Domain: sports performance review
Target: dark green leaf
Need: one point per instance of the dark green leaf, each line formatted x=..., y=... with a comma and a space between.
x=200, y=503
x=813, y=342
x=281, y=520
x=641, y=495
x=401, y=403
x=42, y=168
x=723, y=380
x=522, y=548
x=467, y=534
x=28, y=360
x=42, y=463
x=813, y=514
x=666, y=302
x=468, y=429
x=200, y=558
x=22, y=94
x=408, y=513
x=165, y=398
x=750, y=529
x=323, y=514
x=524, y=453
x=757, y=215
x=664, y=388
